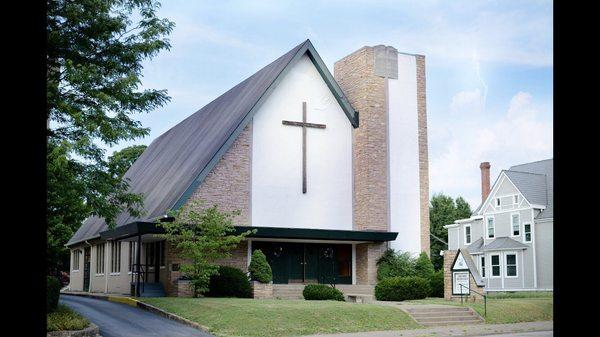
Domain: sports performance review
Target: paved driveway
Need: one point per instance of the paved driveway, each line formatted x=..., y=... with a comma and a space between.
x=121, y=320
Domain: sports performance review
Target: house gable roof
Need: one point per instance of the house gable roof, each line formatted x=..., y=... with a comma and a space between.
x=534, y=181
x=177, y=162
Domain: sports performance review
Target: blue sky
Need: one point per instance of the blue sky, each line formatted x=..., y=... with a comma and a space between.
x=488, y=63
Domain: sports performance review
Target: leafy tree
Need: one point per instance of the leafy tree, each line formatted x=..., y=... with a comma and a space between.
x=443, y=210
x=203, y=236
x=423, y=266
x=94, y=56
x=120, y=161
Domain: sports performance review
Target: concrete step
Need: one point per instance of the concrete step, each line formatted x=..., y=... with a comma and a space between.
x=443, y=314
x=447, y=318
x=451, y=322
x=448, y=315
x=438, y=309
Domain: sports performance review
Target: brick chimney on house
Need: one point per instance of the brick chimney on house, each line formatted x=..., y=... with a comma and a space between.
x=485, y=180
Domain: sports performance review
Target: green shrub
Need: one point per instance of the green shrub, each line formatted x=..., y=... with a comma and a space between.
x=259, y=268
x=229, y=282
x=63, y=318
x=322, y=292
x=393, y=264
x=424, y=267
x=402, y=288
x=53, y=293
x=436, y=283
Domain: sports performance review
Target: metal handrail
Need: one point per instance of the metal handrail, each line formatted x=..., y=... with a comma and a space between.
x=476, y=292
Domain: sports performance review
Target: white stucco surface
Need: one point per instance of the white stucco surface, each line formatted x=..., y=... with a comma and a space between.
x=277, y=198
x=404, y=156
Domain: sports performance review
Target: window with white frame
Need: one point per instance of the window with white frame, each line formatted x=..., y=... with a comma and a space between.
x=511, y=265
x=491, y=231
x=100, y=258
x=527, y=232
x=495, y=262
x=497, y=202
x=467, y=234
x=482, y=259
x=515, y=220
x=75, y=265
x=115, y=257
x=516, y=199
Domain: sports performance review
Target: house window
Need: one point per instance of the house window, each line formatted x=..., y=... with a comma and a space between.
x=516, y=224
x=482, y=259
x=527, y=232
x=115, y=257
x=100, y=259
x=75, y=265
x=516, y=199
x=495, y=265
x=490, y=228
x=467, y=234
x=132, y=255
x=497, y=202
x=511, y=265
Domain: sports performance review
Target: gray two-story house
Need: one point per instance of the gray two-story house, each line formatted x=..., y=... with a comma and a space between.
x=509, y=237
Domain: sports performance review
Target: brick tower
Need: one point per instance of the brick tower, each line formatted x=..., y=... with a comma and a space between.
x=390, y=159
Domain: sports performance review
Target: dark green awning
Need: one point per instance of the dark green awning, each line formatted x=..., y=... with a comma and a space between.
x=141, y=228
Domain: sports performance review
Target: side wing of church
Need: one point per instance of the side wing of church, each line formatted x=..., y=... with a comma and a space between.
x=330, y=171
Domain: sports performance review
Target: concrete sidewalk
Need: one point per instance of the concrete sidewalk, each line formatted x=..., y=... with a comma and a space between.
x=454, y=330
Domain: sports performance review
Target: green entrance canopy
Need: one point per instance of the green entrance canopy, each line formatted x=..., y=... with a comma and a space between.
x=144, y=227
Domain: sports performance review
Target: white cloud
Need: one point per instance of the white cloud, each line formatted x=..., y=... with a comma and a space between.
x=523, y=133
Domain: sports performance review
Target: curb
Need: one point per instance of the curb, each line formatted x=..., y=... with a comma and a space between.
x=143, y=306
x=153, y=309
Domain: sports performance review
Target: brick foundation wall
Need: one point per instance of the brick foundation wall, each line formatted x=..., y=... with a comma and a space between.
x=262, y=290
x=367, y=255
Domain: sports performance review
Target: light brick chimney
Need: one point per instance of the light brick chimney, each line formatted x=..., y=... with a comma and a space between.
x=485, y=180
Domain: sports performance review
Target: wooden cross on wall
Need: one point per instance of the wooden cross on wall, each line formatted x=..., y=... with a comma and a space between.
x=304, y=125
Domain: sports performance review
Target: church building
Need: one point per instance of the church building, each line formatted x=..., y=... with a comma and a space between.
x=331, y=170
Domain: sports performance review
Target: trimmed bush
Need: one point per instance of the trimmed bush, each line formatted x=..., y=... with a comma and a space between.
x=229, y=282
x=53, y=285
x=393, y=264
x=259, y=268
x=436, y=283
x=424, y=267
x=402, y=288
x=321, y=292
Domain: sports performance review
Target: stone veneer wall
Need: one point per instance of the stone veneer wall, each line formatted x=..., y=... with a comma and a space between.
x=367, y=94
x=366, y=261
x=228, y=186
x=449, y=256
x=423, y=153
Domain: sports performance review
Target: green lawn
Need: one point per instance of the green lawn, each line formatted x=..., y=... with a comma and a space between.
x=63, y=318
x=248, y=317
x=501, y=309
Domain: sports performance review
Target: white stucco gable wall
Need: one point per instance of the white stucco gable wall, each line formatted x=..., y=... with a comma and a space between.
x=277, y=199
